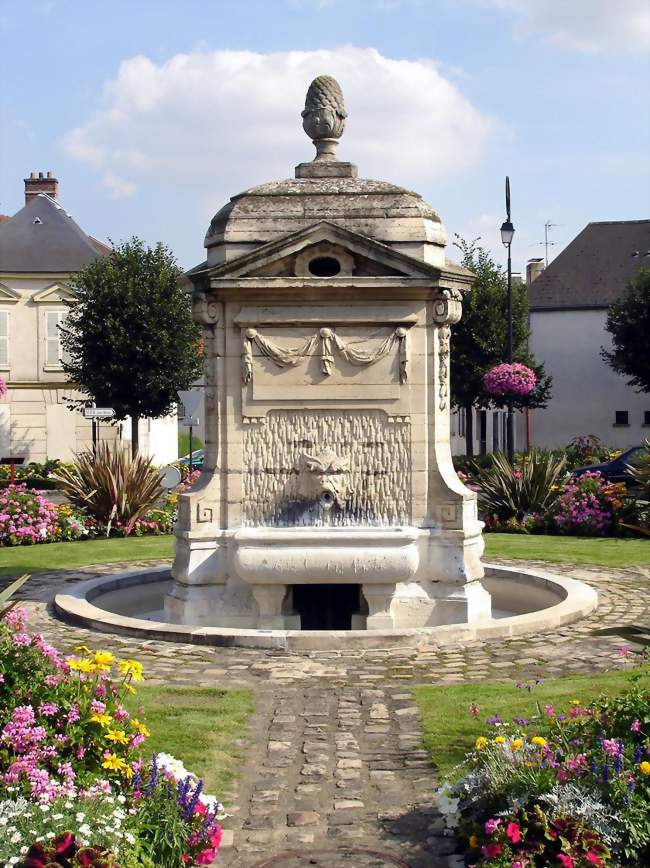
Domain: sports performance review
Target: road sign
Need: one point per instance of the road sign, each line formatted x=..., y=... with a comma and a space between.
x=191, y=400
x=99, y=412
x=169, y=476
x=191, y=422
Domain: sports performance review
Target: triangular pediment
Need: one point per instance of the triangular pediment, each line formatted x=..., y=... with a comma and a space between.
x=8, y=295
x=60, y=292
x=293, y=256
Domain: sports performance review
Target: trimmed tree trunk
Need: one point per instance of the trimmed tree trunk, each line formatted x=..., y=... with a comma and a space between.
x=135, y=435
x=469, y=430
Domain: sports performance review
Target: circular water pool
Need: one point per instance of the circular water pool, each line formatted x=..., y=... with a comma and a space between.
x=523, y=602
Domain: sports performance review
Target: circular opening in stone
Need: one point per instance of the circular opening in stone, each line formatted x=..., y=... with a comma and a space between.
x=324, y=266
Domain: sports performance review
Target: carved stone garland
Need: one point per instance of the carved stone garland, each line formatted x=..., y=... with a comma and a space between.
x=444, y=340
x=329, y=340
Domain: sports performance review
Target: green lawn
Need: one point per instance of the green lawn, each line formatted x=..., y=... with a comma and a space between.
x=201, y=727
x=569, y=549
x=450, y=730
x=16, y=560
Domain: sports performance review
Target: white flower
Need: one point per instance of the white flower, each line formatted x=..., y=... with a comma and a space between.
x=57, y=816
x=16, y=838
x=4, y=821
x=44, y=808
x=129, y=837
x=84, y=830
x=80, y=817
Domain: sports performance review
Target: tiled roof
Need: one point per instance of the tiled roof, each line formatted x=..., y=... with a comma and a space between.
x=43, y=237
x=595, y=267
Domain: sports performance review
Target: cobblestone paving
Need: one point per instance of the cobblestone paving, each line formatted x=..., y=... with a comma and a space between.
x=335, y=758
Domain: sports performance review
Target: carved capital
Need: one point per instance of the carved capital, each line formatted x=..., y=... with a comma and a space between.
x=204, y=311
x=446, y=310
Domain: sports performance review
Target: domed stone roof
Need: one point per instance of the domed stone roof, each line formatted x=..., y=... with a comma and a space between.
x=326, y=189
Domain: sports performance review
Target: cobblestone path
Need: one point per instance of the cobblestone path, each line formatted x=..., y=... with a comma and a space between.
x=334, y=756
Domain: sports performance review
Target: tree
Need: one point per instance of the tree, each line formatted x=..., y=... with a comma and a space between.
x=129, y=335
x=628, y=322
x=479, y=340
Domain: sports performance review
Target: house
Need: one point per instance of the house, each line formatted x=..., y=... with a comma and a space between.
x=568, y=309
x=41, y=248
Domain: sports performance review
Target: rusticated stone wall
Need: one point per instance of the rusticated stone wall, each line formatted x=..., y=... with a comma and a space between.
x=379, y=476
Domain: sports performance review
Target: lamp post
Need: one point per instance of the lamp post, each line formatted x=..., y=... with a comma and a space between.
x=507, y=234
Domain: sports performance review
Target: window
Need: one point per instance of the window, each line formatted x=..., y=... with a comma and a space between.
x=4, y=338
x=461, y=422
x=53, y=353
x=621, y=417
x=646, y=417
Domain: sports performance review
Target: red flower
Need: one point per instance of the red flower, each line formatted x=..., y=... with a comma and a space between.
x=206, y=857
x=594, y=858
x=215, y=837
x=513, y=832
x=200, y=809
x=565, y=861
x=491, y=850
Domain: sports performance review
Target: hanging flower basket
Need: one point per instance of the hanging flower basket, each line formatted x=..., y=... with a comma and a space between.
x=506, y=379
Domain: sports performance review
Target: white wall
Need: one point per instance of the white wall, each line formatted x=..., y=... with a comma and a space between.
x=586, y=391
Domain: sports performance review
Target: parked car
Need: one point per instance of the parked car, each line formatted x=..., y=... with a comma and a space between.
x=198, y=457
x=616, y=469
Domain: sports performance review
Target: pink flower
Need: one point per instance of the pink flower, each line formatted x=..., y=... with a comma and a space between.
x=565, y=861
x=513, y=832
x=48, y=709
x=491, y=850
x=474, y=710
x=635, y=726
x=491, y=826
x=624, y=651
x=594, y=858
x=612, y=747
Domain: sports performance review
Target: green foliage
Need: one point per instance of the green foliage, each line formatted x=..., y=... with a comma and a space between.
x=628, y=322
x=184, y=444
x=479, y=340
x=113, y=487
x=584, y=450
x=532, y=486
x=129, y=336
x=640, y=473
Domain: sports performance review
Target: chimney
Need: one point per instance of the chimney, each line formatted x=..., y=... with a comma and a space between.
x=39, y=183
x=534, y=268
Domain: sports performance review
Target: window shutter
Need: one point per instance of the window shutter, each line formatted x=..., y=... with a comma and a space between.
x=53, y=337
x=4, y=337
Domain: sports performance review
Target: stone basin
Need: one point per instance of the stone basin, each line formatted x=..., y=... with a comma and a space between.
x=363, y=555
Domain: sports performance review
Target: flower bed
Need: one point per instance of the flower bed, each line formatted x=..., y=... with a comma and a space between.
x=569, y=787
x=75, y=788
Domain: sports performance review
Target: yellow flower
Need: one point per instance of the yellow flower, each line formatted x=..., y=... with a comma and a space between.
x=131, y=667
x=117, y=735
x=538, y=740
x=113, y=762
x=103, y=659
x=517, y=743
x=79, y=664
x=499, y=740
x=480, y=743
x=100, y=718
x=83, y=648
x=129, y=687
x=575, y=702
x=644, y=768
x=140, y=727
x=127, y=771
x=473, y=841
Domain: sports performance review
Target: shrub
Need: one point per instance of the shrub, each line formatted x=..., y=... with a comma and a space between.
x=112, y=486
x=584, y=450
x=26, y=517
x=640, y=473
x=590, y=506
x=507, y=492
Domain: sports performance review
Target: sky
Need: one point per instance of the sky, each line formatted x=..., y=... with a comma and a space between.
x=152, y=113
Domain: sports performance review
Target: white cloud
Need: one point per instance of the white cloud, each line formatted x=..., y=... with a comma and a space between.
x=584, y=25
x=222, y=121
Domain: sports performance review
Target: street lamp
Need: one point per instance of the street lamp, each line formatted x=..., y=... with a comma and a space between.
x=507, y=234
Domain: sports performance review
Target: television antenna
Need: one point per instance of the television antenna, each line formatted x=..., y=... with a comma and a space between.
x=547, y=226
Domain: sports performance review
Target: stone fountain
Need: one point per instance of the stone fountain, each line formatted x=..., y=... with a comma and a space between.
x=328, y=497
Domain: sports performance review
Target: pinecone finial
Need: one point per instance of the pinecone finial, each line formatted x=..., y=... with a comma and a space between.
x=323, y=118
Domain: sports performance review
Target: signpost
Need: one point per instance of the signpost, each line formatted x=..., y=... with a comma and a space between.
x=94, y=414
x=190, y=422
x=13, y=460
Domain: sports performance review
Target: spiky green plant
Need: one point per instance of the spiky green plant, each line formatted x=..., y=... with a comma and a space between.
x=111, y=485
x=7, y=593
x=530, y=487
x=640, y=473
